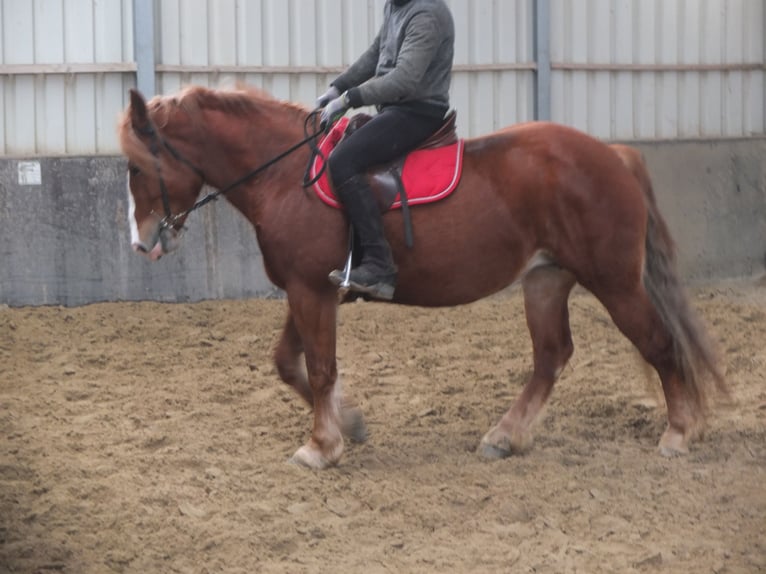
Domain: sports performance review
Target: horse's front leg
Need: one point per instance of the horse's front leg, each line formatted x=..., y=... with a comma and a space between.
x=288, y=358
x=311, y=326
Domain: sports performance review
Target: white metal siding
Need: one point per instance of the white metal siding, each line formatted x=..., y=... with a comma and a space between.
x=491, y=89
x=300, y=44
x=69, y=83
x=660, y=99
x=72, y=62
x=304, y=44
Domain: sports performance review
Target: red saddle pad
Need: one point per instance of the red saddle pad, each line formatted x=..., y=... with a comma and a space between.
x=428, y=174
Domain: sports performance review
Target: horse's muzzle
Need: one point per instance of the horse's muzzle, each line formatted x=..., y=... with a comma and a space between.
x=163, y=240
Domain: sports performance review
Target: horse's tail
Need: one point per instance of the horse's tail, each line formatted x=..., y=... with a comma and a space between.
x=695, y=356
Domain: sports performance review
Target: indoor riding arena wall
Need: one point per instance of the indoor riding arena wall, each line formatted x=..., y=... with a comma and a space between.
x=685, y=79
x=65, y=237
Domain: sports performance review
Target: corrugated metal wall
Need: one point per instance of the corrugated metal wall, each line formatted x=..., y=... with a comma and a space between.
x=303, y=44
x=493, y=83
x=620, y=69
x=65, y=66
x=659, y=69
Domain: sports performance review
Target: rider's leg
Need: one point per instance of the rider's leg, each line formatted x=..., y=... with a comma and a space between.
x=376, y=275
x=388, y=136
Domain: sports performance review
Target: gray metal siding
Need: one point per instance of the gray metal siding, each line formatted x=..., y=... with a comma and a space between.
x=659, y=69
x=621, y=69
x=65, y=66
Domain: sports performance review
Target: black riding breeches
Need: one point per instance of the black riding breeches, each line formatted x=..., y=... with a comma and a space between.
x=387, y=136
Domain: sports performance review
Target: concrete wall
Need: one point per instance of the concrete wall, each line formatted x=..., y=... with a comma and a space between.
x=713, y=196
x=66, y=240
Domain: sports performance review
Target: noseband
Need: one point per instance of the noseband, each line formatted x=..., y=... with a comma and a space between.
x=156, y=142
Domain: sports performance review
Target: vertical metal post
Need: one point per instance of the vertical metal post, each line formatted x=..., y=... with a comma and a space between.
x=143, y=42
x=542, y=26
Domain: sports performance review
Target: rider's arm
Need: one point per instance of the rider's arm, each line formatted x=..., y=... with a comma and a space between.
x=422, y=40
x=361, y=70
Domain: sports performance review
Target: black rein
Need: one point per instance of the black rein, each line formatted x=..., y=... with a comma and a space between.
x=170, y=221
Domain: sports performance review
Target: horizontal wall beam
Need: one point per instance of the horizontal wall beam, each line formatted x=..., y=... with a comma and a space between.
x=92, y=68
x=583, y=67
x=129, y=67
x=214, y=69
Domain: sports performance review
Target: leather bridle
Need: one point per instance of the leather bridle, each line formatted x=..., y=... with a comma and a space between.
x=157, y=142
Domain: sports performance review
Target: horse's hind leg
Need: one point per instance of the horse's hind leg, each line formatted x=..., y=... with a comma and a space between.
x=292, y=370
x=635, y=315
x=546, y=291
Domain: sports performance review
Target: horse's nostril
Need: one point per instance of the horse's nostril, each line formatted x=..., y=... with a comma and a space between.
x=140, y=248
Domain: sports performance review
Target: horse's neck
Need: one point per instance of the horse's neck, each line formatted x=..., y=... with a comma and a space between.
x=231, y=154
x=233, y=148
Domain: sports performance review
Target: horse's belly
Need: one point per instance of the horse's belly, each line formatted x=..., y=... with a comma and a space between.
x=464, y=281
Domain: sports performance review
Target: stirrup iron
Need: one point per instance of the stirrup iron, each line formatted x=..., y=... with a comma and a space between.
x=347, y=271
x=345, y=284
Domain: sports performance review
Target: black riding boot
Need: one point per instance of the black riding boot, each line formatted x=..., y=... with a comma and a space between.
x=376, y=275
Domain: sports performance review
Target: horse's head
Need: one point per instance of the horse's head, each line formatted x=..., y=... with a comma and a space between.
x=162, y=183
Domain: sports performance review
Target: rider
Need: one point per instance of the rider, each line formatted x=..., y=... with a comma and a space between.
x=406, y=74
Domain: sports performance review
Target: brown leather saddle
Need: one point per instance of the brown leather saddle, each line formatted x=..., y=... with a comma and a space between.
x=386, y=180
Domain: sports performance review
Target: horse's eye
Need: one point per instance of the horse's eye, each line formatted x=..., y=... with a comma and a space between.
x=133, y=170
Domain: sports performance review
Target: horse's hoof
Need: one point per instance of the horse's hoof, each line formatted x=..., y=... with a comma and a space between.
x=308, y=457
x=671, y=453
x=492, y=451
x=353, y=425
x=673, y=444
x=499, y=444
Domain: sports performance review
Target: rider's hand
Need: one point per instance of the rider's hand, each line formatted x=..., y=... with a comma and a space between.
x=333, y=111
x=327, y=97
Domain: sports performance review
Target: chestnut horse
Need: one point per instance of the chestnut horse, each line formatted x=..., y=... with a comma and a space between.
x=538, y=202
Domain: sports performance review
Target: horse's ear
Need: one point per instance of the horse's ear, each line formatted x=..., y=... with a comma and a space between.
x=139, y=115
